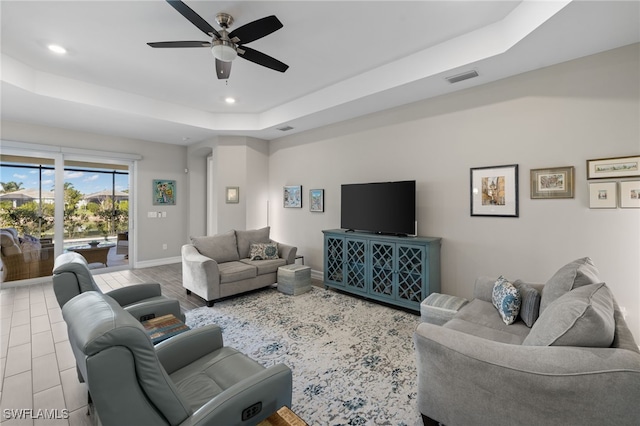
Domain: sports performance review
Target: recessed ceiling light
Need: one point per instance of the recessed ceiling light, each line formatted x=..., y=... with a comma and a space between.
x=57, y=49
x=230, y=100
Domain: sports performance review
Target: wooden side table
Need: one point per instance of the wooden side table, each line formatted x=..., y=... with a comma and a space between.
x=283, y=417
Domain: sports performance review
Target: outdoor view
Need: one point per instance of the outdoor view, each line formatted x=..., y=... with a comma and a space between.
x=96, y=211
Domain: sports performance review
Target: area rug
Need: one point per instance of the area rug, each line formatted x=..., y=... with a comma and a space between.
x=353, y=361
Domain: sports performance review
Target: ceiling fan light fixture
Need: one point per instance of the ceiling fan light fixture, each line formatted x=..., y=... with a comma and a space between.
x=223, y=50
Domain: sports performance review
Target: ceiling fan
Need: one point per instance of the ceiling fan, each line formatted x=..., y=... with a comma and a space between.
x=226, y=46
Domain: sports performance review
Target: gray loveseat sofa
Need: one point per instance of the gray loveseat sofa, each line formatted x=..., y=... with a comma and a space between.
x=578, y=364
x=222, y=265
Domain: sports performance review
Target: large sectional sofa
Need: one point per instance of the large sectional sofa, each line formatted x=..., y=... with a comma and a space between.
x=572, y=361
x=218, y=266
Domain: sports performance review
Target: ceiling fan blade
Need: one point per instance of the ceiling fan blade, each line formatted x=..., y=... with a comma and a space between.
x=256, y=29
x=193, y=17
x=180, y=44
x=223, y=69
x=262, y=59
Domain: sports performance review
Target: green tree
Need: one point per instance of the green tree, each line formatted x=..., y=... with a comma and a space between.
x=10, y=186
x=75, y=219
x=26, y=218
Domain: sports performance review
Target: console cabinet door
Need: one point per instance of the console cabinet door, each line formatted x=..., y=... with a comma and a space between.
x=334, y=260
x=411, y=273
x=383, y=267
x=356, y=265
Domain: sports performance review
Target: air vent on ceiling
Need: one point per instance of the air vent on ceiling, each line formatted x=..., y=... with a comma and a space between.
x=285, y=128
x=461, y=77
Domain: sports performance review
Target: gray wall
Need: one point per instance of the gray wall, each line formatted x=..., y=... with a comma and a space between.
x=558, y=116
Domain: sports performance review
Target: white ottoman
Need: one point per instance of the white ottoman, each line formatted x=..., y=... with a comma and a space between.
x=439, y=308
x=294, y=279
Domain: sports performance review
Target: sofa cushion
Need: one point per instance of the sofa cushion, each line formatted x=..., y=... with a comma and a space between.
x=506, y=300
x=582, y=317
x=236, y=271
x=479, y=318
x=221, y=247
x=265, y=266
x=529, y=302
x=572, y=275
x=245, y=238
x=263, y=251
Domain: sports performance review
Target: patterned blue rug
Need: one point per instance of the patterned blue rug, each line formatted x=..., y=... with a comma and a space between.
x=353, y=361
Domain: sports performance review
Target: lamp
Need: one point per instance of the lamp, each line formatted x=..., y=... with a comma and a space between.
x=223, y=50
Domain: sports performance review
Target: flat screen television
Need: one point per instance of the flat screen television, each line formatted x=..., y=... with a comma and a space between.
x=381, y=207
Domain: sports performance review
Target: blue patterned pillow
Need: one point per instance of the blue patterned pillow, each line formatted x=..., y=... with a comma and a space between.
x=263, y=251
x=506, y=300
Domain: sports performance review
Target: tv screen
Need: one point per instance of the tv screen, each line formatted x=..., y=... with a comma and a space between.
x=382, y=207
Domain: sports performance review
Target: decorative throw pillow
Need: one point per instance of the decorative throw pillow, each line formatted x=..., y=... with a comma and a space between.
x=506, y=300
x=246, y=238
x=30, y=247
x=529, y=303
x=582, y=317
x=263, y=251
x=572, y=275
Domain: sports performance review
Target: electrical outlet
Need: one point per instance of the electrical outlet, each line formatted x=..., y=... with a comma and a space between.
x=164, y=247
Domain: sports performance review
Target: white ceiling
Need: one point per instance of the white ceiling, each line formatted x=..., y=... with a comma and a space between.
x=346, y=58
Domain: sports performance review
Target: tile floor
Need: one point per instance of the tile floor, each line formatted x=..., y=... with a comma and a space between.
x=37, y=365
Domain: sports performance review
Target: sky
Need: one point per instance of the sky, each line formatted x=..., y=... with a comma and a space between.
x=86, y=182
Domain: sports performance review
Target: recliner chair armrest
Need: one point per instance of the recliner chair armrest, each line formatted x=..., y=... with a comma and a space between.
x=184, y=348
x=272, y=387
x=288, y=252
x=135, y=293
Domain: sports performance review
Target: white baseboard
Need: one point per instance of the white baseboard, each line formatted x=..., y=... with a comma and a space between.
x=317, y=275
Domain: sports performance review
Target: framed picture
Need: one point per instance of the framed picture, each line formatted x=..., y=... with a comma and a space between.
x=316, y=200
x=556, y=182
x=613, y=167
x=602, y=195
x=232, y=194
x=494, y=191
x=164, y=192
x=630, y=194
x=292, y=196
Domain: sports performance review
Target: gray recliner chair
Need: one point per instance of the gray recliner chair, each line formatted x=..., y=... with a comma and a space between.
x=71, y=276
x=189, y=379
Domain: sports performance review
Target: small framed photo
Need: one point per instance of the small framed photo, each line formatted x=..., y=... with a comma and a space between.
x=292, y=196
x=232, y=194
x=613, y=167
x=603, y=195
x=556, y=182
x=316, y=200
x=494, y=191
x=630, y=194
x=164, y=192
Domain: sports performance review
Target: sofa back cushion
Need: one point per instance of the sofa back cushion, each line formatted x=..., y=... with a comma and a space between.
x=9, y=244
x=581, y=317
x=221, y=248
x=575, y=274
x=246, y=238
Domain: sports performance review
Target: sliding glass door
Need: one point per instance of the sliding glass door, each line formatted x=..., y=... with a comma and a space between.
x=94, y=216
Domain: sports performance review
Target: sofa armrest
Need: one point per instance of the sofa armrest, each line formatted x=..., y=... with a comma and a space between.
x=286, y=251
x=135, y=293
x=454, y=366
x=184, y=348
x=272, y=387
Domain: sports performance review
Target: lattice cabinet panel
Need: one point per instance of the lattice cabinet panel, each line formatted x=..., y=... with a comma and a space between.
x=410, y=273
x=334, y=260
x=398, y=270
x=356, y=262
x=382, y=268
